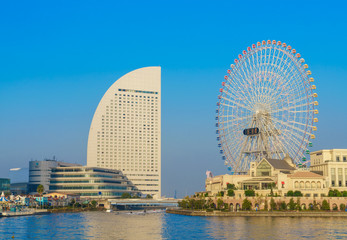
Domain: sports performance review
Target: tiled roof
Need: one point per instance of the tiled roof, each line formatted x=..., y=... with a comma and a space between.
x=305, y=175
x=280, y=164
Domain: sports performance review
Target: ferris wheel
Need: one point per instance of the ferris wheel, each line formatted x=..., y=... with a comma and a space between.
x=267, y=107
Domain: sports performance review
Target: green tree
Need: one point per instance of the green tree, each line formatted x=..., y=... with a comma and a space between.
x=191, y=203
x=325, y=205
x=126, y=195
x=149, y=196
x=220, y=203
x=249, y=193
x=272, y=204
x=335, y=193
x=231, y=186
x=297, y=194
x=283, y=205
x=231, y=193
x=94, y=203
x=344, y=194
x=246, y=204
x=206, y=194
x=226, y=206
x=209, y=203
x=298, y=204
x=199, y=204
x=290, y=193
x=40, y=189
x=291, y=204
x=183, y=203
x=342, y=207
x=272, y=186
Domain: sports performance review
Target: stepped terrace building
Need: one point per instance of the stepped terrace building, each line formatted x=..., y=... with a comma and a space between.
x=91, y=182
x=125, y=132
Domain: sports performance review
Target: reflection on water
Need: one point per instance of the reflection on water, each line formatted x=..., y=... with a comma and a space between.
x=101, y=225
x=124, y=226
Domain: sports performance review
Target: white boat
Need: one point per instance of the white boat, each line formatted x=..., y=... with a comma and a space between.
x=109, y=210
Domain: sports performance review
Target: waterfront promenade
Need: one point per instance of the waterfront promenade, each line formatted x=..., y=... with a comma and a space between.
x=259, y=202
x=218, y=213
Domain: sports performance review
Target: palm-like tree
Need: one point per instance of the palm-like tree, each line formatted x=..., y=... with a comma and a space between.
x=40, y=189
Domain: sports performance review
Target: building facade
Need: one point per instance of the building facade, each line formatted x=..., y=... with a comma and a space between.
x=332, y=164
x=125, y=132
x=19, y=181
x=278, y=176
x=5, y=185
x=40, y=172
x=90, y=182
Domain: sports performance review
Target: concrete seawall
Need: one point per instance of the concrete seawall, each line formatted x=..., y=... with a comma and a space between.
x=258, y=213
x=24, y=213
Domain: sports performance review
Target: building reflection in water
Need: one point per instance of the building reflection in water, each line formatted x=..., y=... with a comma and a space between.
x=123, y=225
x=273, y=228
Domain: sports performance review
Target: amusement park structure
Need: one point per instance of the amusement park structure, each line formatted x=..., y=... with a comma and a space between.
x=266, y=108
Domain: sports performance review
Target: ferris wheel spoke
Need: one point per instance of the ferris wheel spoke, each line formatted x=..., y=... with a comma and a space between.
x=236, y=103
x=291, y=125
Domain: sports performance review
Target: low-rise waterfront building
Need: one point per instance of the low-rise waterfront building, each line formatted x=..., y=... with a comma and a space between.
x=91, y=182
x=40, y=171
x=328, y=171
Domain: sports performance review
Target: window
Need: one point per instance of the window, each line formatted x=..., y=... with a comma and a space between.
x=344, y=158
x=338, y=159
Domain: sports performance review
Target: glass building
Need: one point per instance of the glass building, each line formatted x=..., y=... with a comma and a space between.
x=40, y=172
x=4, y=185
x=91, y=182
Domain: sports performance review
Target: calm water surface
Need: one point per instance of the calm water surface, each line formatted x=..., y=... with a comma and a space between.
x=101, y=225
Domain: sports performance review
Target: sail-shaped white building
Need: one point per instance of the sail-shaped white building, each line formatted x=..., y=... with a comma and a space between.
x=125, y=133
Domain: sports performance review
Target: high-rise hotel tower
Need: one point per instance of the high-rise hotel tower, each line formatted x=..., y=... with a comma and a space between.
x=125, y=133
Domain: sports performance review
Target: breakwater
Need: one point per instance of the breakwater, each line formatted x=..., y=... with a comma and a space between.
x=258, y=213
x=24, y=213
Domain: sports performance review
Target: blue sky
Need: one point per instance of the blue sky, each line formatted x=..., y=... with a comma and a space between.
x=59, y=58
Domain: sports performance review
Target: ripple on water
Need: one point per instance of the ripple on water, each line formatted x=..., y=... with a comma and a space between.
x=101, y=225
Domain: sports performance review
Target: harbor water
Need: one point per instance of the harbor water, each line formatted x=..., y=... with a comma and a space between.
x=152, y=225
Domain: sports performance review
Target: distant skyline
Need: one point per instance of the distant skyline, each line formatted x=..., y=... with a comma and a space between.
x=57, y=61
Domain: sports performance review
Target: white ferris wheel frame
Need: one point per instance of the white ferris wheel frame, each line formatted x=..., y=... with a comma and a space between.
x=269, y=87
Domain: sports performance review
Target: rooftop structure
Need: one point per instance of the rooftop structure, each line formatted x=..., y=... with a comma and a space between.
x=91, y=182
x=125, y=132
